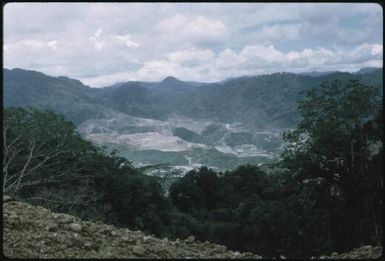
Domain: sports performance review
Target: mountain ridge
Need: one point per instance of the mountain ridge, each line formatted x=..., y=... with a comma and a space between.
x=172, y=78
x=252, y=109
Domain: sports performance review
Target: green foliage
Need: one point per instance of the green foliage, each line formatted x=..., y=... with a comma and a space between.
x=248, y=210
x=187, y=135
x=47, y=163
x=329, y=152
x=197, y=189
x=37, y=144
x=324, y=196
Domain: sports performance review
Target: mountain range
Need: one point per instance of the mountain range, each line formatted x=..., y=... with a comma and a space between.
x=184, y=124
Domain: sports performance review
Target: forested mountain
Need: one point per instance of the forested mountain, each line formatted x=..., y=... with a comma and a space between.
x=185, y=124
x=60, y=94
x=262, y=100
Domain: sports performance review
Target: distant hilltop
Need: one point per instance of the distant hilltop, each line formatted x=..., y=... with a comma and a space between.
x=174, y=80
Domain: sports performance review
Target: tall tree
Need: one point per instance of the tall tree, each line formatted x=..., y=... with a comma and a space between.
x=330, y=146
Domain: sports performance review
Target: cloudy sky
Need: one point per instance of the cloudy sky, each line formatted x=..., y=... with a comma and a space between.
x=101, y=44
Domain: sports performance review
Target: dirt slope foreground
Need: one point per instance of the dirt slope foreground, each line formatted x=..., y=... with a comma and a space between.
x=35, y=232
x=364, y=252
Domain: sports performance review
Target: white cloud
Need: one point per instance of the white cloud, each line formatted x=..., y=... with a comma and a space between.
x=102, y=43
x=100, y=39
x=95, y=40
x=257, y=59
x=30, y=45
x=229, y=58
x=52, y=44
x=377, y=49
x=278, y=33
x=262, y=53
x=341, y=23
x=191, y=56
x=106, y=80
x=159, y=69
x=173, y=23
x=98, y=32
x=199, y=30
x=126, y=39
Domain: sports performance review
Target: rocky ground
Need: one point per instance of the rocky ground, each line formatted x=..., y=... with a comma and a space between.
x=364, y=252
x=35, y=232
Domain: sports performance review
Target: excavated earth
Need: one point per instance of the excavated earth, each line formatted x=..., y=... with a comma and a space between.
x=35, y=232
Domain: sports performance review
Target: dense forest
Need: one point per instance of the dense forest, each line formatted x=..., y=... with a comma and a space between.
x=323, y=195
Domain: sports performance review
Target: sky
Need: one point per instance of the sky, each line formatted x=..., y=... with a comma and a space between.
x=104, y=43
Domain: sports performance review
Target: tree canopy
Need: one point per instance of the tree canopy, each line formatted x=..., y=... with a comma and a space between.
x=324, y=195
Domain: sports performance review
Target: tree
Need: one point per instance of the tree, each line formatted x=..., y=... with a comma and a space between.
x=331, y=147
x=47, y=163
x=36, y=145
